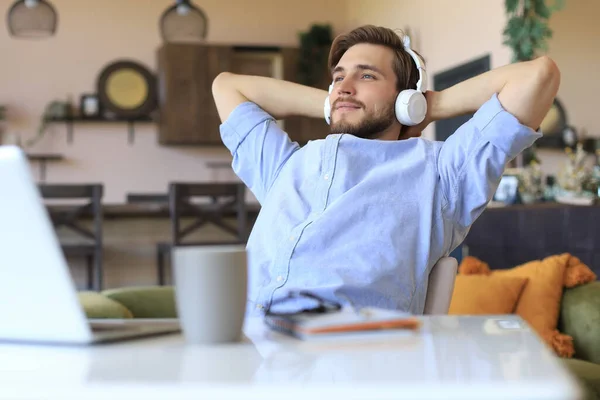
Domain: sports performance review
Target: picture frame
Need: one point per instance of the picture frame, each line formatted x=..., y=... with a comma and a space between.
x=89, y=106
x=508, y=190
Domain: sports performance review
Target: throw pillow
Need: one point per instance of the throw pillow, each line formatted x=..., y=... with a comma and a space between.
x=577, y=273
x=473, y=266
x=539, y=303
x=96, y=305
x=485, y=294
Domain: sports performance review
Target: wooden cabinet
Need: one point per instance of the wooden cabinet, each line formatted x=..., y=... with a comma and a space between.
x=188, y=115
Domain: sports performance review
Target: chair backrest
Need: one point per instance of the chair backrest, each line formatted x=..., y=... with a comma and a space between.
x=226, y=198
x=67, y=215
x=441, y=286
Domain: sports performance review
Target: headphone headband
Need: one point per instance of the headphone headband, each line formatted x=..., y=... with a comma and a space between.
x=422, y=82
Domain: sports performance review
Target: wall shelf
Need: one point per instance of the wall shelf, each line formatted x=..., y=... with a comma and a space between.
x=70, y=121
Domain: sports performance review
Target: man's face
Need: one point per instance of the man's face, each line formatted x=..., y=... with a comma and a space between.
x=364, y=91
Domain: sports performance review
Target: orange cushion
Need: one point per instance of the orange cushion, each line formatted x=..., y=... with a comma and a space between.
x=577, y=273
x=485, y=294
x=539, y=304
x=473, y=266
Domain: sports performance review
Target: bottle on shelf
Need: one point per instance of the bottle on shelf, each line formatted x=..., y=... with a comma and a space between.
x=550, y=189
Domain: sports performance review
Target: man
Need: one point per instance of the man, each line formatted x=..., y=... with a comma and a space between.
x=362, y=216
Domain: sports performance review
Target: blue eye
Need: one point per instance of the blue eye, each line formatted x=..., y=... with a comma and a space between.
x=368, y=76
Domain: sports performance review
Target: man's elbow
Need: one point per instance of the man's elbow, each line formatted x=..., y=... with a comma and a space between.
x=220, y=82
x=225, y=94
x=547, y=75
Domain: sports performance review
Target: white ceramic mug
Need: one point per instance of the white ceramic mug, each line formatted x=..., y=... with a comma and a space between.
x=210, y=292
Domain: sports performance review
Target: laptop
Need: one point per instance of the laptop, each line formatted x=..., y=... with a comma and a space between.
x=38, y=297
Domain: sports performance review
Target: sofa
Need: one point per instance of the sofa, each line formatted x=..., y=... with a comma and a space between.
x=579, y=318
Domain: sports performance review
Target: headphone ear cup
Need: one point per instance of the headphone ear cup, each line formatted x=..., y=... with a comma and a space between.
x=410, y=107
x=327, y=110
x=327, y=106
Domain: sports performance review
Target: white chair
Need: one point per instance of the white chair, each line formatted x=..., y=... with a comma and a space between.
x=441, y=286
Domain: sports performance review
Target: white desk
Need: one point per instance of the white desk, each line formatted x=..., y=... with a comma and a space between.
x=449, y=358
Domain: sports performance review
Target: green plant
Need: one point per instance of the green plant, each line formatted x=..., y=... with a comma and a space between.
x=314, y=50
x=527, y=30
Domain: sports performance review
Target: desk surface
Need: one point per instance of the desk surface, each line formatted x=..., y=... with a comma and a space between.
x=449, y=358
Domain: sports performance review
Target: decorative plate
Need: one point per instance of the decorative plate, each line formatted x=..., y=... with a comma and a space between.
x=127, y=89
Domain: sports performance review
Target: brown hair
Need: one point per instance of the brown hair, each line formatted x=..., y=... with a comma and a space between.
x=403, y=65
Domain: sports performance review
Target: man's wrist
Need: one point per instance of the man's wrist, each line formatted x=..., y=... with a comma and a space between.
x=444, y=104
x=434, y=106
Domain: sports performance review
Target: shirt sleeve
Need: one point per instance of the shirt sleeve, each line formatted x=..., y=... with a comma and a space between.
x=258, y=145
x=473, y=159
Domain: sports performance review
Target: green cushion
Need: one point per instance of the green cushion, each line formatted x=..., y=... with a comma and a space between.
x=96, y=305
x=588, y=375
x=146, y=302
x=580, y=318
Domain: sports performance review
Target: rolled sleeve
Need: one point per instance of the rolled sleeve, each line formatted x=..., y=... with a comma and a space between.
x=472, y=160
x=503, y=129
x=240, y=123
x=258, y=145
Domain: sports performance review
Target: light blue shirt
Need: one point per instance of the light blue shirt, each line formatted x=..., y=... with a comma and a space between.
x=363, y=219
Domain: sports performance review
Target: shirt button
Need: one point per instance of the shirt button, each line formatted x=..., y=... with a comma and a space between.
x=259, y=307
x=326, y=177
x=292, y=238
x=279, y=278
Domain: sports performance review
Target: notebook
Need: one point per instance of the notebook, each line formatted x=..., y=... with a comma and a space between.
x=345, y=322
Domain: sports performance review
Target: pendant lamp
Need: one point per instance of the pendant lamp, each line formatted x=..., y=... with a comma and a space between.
x=32, y=19
x=183, y=22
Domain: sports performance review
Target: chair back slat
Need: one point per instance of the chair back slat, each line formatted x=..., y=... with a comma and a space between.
x=205, y=189
x=70, y=191
x=233, y=196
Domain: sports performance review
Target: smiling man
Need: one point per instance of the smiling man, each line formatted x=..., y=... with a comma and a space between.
x=363, y=214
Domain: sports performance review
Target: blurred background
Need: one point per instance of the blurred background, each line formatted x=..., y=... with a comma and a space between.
x=116, y=93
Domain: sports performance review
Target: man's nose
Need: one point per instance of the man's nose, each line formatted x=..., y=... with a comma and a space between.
x=346, y=87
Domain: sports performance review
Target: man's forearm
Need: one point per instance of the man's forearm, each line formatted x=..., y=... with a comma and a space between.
x=277, y=97
x=525, y=89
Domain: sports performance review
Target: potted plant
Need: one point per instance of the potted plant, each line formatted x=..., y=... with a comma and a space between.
x=314, y=51
x=527, y=31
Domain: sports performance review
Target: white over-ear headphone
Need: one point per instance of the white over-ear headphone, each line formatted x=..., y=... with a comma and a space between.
x=411, y=105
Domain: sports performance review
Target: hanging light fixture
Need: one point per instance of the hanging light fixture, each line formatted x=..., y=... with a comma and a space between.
x=32, y=19
x=183, y=22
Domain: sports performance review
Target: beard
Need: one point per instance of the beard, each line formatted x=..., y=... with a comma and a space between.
x=370, y=127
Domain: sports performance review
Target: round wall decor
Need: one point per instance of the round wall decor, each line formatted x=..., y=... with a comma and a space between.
x=127, y=89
